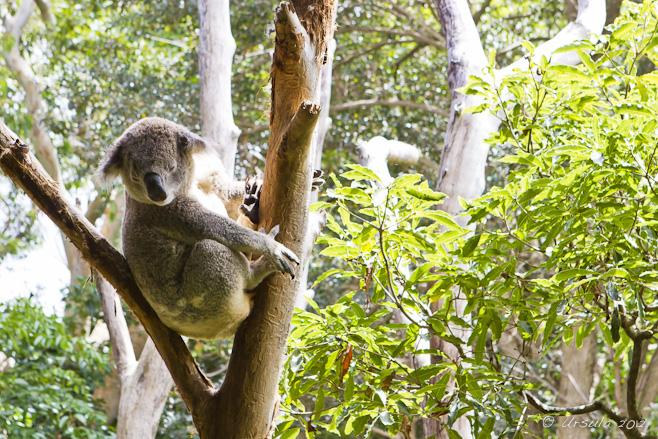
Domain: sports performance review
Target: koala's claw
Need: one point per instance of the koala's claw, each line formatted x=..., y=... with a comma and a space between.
x=282, y=256
x=251, y=202
x=318, y=181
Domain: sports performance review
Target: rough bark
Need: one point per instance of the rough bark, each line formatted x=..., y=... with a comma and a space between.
x=216, y=50
x=464, y=155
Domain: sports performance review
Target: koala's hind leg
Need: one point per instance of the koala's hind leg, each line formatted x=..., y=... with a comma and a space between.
x=213, y=301
x=259, y=270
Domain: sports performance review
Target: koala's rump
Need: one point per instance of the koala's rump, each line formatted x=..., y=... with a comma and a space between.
x=196, y=289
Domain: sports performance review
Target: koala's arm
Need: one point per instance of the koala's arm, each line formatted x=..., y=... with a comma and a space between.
x=187, y=221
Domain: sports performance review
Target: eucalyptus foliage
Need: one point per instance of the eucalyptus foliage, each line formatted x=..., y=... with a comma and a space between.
x=565, y=248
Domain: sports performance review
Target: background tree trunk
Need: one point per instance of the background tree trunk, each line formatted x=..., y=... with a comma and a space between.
x=216, y=50
x=576, y=380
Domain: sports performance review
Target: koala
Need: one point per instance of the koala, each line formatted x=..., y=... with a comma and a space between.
x=180, y=233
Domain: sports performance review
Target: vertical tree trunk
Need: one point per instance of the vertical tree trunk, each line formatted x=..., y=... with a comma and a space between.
x=216, y=49
x=144, y=384
x=576, y=381
x=244, y=406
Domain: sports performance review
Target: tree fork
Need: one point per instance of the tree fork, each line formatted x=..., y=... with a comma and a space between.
x=303, y=31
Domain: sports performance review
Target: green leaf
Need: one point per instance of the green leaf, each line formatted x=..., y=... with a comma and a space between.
x=359, y=173
x=470, y=245
x=569, y=73
x=290, y=433
x=572, y=273
x=634, y=109
x=425, y=195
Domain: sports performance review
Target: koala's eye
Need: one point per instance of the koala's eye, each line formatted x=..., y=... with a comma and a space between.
x=135, y=178
x=171, y=168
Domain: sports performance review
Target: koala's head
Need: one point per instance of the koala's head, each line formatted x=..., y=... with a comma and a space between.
x=154, y=159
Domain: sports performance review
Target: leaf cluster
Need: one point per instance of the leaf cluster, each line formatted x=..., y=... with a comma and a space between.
x=565, y=248
x=47, y=378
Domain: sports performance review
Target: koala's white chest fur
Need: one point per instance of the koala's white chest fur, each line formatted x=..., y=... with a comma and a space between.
x=208, y=171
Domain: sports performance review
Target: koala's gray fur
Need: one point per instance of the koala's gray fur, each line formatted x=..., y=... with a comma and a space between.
x=185, y=251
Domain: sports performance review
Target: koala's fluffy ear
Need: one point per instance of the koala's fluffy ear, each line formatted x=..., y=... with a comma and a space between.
x=189, y=142
x=110, y=167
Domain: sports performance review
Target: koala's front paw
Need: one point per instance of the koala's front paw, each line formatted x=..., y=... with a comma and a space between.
x=280, y=256
x=318, y=181
x=251, y=202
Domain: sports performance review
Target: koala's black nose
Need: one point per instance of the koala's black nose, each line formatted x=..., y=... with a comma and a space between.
x=155, y=187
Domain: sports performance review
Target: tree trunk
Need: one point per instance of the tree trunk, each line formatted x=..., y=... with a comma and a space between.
x=216, y=49
x=576, y=382
x=144, y=384
x=303, y=30
x=144, y=391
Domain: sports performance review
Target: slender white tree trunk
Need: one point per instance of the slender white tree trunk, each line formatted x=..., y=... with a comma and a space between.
x=216, y=50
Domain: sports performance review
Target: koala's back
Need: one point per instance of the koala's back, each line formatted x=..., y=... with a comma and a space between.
x=191, y=285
